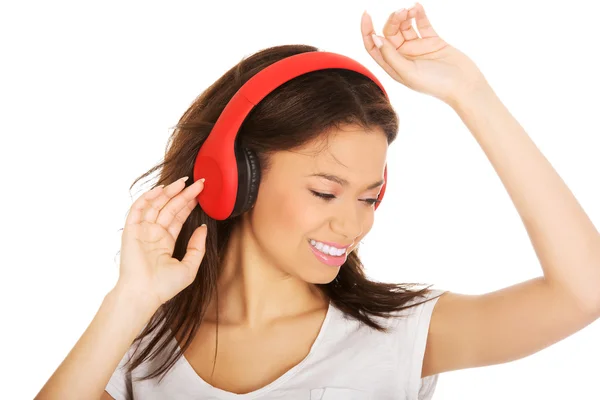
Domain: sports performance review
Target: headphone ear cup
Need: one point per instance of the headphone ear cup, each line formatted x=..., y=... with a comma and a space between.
x=248, y=180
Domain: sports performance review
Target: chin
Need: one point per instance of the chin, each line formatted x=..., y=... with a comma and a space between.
x=323, y=281
x=323, y=277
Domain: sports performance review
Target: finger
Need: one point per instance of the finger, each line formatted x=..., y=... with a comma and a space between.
x=168, y=213
x=423, y=24
x=391, y=29
x=366, y=27
x=155, y=206
x=175, y=226
x=196, y=249
x=406, y=27
x=403, y=67
x=136, y=211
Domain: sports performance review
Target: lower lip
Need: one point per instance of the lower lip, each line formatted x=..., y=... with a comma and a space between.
x=334, y=261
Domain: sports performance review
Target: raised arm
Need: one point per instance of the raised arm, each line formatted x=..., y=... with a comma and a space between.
x=476, y=330
x=511, y=323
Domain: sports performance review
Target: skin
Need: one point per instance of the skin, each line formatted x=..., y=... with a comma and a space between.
x=272, y=312
x=269, y=311
x=468, y=331
x=270, y=269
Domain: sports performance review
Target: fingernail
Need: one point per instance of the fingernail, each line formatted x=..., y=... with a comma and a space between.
x=185, y=178
x=377, y=40
x=201, y=180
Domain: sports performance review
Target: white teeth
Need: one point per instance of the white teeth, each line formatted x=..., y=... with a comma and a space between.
x=327, y=249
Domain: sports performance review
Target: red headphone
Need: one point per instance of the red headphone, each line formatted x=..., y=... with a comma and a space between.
x=233, y=173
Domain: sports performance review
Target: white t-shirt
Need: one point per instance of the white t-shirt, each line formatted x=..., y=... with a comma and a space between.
x=347, y=361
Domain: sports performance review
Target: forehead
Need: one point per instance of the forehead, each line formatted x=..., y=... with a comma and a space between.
x=350, y=150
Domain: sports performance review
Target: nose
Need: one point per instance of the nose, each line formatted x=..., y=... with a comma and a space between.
x=348, y=219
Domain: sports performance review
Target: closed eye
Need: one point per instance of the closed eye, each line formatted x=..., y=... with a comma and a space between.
x=327, y=197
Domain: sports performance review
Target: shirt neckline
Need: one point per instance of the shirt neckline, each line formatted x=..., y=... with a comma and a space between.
x=223, y=394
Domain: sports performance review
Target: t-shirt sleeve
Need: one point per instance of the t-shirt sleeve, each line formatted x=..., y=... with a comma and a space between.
x=117, y=385
x=416, y=329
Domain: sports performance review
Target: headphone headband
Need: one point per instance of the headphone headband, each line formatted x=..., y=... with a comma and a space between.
x=216, y=159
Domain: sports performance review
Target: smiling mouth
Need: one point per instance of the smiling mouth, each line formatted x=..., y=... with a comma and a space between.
x=345, y=249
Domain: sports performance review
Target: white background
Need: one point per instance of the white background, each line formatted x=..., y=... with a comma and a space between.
x=90, y=90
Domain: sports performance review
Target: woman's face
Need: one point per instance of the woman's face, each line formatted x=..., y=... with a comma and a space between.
x=288, y=215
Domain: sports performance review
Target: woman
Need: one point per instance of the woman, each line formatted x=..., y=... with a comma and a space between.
x=248, y=308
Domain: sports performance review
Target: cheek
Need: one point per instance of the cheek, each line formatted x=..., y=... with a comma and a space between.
x=283, y=216
x=296, y=216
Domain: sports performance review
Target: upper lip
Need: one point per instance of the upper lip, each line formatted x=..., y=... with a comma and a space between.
x=336, y=245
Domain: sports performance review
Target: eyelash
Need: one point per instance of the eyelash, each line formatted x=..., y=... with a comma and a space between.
x=327, y=197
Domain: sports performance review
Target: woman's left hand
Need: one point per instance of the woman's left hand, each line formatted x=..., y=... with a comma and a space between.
x=426, y=64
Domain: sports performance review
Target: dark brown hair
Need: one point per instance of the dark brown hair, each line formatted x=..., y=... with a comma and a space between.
x=292, y=115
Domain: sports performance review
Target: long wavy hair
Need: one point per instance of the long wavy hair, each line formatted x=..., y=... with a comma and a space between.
x=294, y=114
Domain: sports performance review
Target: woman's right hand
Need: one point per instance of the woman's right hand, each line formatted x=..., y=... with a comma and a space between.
x=148, y=271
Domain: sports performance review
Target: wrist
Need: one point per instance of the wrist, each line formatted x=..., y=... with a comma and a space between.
x=471, y=93
x=139, y=303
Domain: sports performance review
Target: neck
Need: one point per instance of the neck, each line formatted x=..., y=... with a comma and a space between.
x=253, y=291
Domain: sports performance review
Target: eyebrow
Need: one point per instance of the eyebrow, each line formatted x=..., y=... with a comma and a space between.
x=342, y=181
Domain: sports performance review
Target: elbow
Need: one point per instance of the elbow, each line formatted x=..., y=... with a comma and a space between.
x=592, y=304
x=587, y=301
